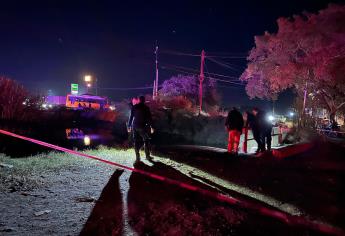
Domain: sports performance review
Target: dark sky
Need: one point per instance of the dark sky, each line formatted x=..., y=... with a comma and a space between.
x=49, y=44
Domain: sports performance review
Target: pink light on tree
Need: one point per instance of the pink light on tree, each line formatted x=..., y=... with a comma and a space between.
x=188, y=87
x=307, y=54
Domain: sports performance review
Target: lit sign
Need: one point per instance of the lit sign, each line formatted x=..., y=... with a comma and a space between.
x=74, y=88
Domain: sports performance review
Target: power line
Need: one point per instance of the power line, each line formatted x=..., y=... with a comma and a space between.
x=216, y=54
x=197, y=71
x=225, y=76
x=207, y=70
x=181, y=67
x=134, y=88
x=222, y=64
x=219, y=79
x=187, y=71
x=228, y=57
x=171, y=52
x=235, y=67
x=227, y=81
x=179, y=70
x=196, y=75
x=211, y=55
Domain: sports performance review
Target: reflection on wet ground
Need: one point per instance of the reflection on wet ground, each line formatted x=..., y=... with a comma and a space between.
x=68, y=137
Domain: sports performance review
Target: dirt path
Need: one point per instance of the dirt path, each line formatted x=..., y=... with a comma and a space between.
x=72, y=195
x=58, y=195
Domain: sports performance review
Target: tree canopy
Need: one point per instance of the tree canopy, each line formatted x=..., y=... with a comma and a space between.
x=307, y=54
x=188, y=87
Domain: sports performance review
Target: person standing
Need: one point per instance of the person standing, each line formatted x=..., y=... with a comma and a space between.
x=264, y=127
x=140, y=124
x=234, y=125
x=252, y=123
x=266, y=132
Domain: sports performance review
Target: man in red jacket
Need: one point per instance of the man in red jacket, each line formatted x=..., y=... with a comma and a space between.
x=234, y=124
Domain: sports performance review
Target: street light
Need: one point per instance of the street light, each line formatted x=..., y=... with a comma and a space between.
x=270, y=118
x=88, y=80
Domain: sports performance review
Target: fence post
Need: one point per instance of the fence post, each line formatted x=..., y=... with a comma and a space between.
x=245, y=140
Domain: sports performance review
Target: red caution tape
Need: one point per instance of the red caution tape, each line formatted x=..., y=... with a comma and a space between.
x=282, y=216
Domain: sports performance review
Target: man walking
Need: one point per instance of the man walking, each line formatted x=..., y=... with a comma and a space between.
x=140, y=122
x=234, y=124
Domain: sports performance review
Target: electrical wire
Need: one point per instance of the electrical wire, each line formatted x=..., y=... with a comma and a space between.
x=228, y=57
x=211, y=55
x=181, y=67
x=227, y=81
x=206, y=69
x=171, y=52
x=222, y=64
x=209, y=77
x=216, y=54
x=235, y=67
x=179, y=70
x=135, y=88
x=197, y=71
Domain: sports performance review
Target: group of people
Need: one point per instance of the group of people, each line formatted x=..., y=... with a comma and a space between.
x=140, y=125
x=257, y=121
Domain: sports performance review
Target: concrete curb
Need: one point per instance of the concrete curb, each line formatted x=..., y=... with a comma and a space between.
x=291, y=150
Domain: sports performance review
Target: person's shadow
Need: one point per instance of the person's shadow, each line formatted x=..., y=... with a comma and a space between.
x=106, y=216
x=151, y=202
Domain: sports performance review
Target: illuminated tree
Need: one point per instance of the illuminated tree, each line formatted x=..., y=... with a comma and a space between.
x=307, y=54
x=12, y=97
x=188, y=87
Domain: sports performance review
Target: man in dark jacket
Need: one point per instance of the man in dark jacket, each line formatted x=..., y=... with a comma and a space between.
x=264, y=127
x=266, y=132
x=234, y=125
x=139, y=123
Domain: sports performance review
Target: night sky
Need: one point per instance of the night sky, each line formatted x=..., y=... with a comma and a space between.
x=50, y=44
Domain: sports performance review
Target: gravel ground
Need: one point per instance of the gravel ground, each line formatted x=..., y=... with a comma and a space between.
x=60, y=194
x=49, y=194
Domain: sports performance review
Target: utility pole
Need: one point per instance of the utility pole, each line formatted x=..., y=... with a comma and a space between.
x=201, y=79
x=96, y=86
x=154, y=89
x=155, y=84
